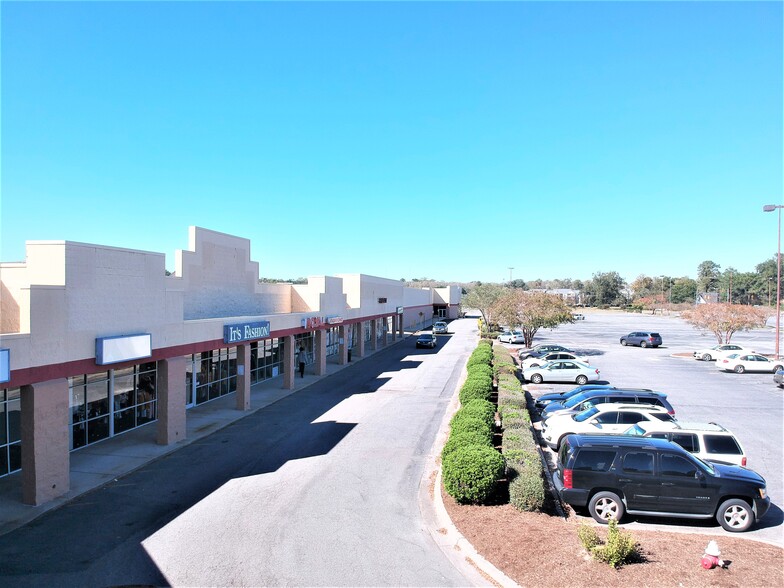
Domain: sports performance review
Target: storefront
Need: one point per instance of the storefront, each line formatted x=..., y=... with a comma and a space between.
x=208, y=330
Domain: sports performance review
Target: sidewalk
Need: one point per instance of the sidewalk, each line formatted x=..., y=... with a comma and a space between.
x=95, y=465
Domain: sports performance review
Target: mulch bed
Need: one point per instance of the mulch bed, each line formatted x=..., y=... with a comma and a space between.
x=537, y=549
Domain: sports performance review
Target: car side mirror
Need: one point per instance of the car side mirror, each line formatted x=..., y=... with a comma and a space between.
x=698, y=475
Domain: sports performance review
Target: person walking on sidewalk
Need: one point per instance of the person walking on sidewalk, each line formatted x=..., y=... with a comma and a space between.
x=301, y=360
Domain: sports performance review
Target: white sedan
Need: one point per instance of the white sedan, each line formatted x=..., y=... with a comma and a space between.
x=602, y=418
x=749, y=362
x=511, y=337
x=720, y=351
x=562, y=370
x=537, y=361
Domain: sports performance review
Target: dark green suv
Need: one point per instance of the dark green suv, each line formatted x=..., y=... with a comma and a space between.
x=614, y=475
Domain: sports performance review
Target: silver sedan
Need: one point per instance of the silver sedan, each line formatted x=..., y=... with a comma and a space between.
x=562, y=370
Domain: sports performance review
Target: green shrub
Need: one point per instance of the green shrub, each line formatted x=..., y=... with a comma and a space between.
x=620, y=547
x=471, y=473
x=480, y=369
x=474, y=413
x=467, y=422
x=481, y=359
x=526, y=485
x=484, y=409
x=463, y=439
x=478, y=386
x=588, y=537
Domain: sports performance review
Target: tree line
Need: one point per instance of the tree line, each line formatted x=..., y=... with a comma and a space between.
x=605, y=289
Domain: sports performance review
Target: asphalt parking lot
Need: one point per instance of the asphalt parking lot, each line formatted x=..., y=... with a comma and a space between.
x=750, y=405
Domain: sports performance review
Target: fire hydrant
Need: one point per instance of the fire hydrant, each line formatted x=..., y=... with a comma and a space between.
x=710, y=558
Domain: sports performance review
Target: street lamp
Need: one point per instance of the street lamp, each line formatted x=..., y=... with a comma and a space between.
x=771, y=208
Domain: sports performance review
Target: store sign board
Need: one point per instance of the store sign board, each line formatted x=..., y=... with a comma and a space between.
x=312, y=322
x=5, y=365
x=334, y=320
x=122, y=348
x=399, y=310
x=246, y=331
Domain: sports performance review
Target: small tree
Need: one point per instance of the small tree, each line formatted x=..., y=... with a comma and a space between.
x=483, y=297
x=531, y=311
x=724, y=320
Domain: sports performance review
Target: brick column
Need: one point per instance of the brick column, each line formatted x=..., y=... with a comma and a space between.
x=243, y=377
x=343, y=345
x=45, y=447
x=374, y=334
x=289, y=362
x=171, y=401
x=321, y=352
x=384, y=327
x=401, y=332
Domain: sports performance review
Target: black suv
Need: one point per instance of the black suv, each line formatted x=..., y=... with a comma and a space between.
x=613, y=395
x=613, y=475
x=643, y=339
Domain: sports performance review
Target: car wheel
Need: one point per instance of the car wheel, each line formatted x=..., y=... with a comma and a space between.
x=606, y=506
x=536, y=378
x=623, y=342
x=581, y=380
x=777, y=368
x=735, y=515
x=739, y=369
x=643, y=344
x=706, y=357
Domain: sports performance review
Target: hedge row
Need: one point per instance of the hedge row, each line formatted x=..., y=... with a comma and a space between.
x=523, y=464
x=471, y=466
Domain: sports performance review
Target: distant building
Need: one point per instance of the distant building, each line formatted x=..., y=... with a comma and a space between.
x=568, y=295
x=707, y=297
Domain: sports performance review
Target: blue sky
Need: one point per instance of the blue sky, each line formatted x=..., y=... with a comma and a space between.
x=405, y=140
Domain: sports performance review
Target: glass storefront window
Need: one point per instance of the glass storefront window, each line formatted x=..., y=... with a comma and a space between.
x=10, y=431
x=109, y=403
x=215, y=373
x=266, y=359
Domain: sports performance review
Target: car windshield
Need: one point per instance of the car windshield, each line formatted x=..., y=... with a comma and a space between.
x=586, y=414
x=704, y=464
x=575, y=400
x=635, y=430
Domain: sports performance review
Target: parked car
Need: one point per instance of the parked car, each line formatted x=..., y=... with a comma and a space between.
x=511, y=337
x=562, y=370
x=642, y=338
x=542, y=349
x=778, y=377
x=600, y=418
x=578, y=316
x=440, y=328
x=426, y=340
x=552, y=356
x=542, y=401
x=708, y=441
x=609, y=396
x=720, y=351
x=750, y=362
x=615, y=475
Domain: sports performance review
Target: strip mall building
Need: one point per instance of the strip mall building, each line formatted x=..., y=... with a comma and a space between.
x=96, y=341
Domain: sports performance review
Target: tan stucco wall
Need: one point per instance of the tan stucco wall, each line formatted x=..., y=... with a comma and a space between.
x=67, y=294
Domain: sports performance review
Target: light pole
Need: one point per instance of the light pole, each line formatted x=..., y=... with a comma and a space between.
x=771, y=208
